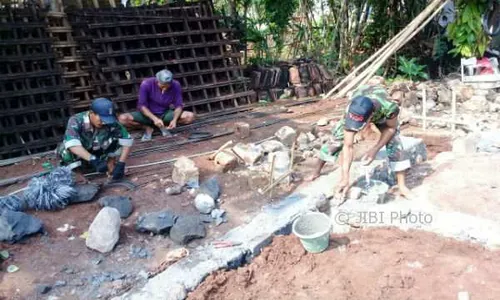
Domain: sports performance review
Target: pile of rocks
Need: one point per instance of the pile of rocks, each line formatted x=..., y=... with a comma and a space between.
x=258, y=157
x=476, y=106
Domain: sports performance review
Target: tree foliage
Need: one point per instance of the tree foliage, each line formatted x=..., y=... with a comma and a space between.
x=466, y=32
x=342, y=33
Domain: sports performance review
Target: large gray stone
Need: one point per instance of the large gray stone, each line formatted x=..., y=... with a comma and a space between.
x=84, y=193
x=156, y=222
x=121, y=203
x=185, y=172
x=272, y=146
x=477, y=104
x=250, y=153
x=104, y=231
x=286, y=135
x=15, y=226
x=204, y=203
x=210, y=187
x=303, y=142
x=225, y=161
x=187, y=228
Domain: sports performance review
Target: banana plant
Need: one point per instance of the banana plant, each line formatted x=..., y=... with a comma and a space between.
x=410, y=69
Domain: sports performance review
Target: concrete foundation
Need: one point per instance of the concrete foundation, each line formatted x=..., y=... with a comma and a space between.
x=277, y=218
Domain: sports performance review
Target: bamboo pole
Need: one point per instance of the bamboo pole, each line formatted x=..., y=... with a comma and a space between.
x=276, y=182
x=424, y=109
x=292, y=157
x=229, y=143
x=395, y=48
x=410, y=32
x=271, y=178
x=370, y=59
x=453, y=109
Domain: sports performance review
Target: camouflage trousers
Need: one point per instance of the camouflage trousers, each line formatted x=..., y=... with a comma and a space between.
x=398, y=157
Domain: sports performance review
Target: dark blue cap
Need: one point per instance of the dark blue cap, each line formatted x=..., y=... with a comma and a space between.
x=358, y=112
x=104, y=108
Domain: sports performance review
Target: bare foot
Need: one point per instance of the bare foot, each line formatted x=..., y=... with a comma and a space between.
x=406, y=193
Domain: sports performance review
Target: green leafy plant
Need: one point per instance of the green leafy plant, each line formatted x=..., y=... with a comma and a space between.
x=466, y=32
x=410, y=69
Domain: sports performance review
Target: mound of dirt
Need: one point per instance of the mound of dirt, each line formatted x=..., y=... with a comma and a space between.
x=384, y=263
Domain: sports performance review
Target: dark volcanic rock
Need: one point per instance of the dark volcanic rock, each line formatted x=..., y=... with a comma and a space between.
x=187, y=228
x=121, y=203
x=157, y=222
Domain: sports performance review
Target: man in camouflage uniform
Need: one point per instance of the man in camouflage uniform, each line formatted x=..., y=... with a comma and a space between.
x=369, y=104
x=96, y=137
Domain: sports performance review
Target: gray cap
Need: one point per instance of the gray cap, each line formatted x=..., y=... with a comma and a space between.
x=164, y=76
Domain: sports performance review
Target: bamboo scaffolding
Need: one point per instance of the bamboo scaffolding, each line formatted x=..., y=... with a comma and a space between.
x=389, y=49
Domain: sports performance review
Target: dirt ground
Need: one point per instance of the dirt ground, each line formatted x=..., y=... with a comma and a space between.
x=63, y=256
x=477, y=193
x=379, y=263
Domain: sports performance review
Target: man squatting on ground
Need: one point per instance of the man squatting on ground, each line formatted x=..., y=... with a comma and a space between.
x=96, y=137
x=369, y=104
x=160, y=104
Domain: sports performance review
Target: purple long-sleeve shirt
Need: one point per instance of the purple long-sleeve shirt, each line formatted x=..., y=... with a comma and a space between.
x=151, y=96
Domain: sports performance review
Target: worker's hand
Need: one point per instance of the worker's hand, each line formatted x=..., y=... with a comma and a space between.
x=119, y=170
x=369, y=157
x=99, y=165
x=159, y=123
x=172, y=125
x=342, y=188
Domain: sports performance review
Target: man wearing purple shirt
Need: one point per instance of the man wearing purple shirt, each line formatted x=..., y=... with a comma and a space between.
x=160, y=104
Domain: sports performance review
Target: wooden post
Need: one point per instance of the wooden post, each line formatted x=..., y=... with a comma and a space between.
x=112, y=3
x=453, y=109
x=271, y=178
x=292, y=157
x=424, y=108
x=96, y=3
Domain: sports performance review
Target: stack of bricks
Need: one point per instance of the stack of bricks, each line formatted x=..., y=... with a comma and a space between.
x=131, y=44
x=33, y=98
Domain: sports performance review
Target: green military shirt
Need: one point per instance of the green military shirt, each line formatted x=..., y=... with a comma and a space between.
x=80, y=132
x=384, y=108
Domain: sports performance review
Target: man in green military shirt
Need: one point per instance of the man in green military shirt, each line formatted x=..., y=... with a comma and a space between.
x=96, y=137
x=369, y=104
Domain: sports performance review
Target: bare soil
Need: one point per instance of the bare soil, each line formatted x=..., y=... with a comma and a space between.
x=468, y=184
x=63, y=256
x=383, y=263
